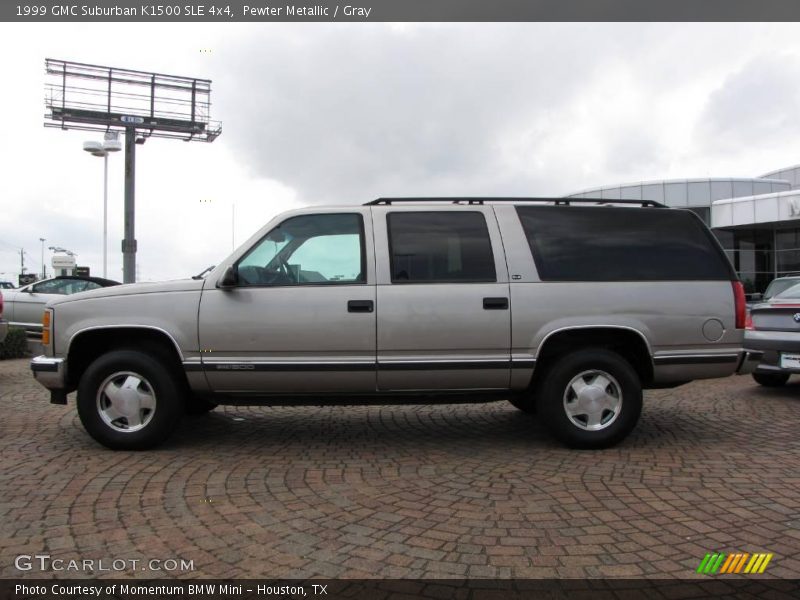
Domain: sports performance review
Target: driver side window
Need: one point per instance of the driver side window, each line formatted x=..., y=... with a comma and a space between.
x=325, y=249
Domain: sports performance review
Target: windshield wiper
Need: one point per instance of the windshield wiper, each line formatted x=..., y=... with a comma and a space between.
x=203, y=272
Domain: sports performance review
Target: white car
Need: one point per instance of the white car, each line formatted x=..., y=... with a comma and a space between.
x=24, y=307
x=3, y=322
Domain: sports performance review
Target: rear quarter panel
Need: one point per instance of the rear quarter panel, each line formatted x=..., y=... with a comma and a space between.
x=669, y=315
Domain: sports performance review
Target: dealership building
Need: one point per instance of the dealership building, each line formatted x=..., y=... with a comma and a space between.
x=757, y=220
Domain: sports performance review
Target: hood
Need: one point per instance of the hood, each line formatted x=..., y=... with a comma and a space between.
x=127, y=289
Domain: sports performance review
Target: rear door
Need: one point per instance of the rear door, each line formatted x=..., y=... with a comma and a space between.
x=443, y=299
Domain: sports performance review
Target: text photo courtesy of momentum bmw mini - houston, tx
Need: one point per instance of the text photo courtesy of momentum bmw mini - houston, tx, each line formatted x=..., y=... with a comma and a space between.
x=400, y=300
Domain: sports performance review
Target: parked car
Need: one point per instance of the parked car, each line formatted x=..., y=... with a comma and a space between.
x=24, y=306
x=778, y=285
x=3, y=322
x=774, y=328
x=6, y=285
x=562, y=307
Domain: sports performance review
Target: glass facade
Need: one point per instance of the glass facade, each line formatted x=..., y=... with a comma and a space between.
x=760, y=255
x=689, y=193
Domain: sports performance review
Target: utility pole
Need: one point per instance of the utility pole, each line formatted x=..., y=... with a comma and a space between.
x=22, y=261
x=129, y=242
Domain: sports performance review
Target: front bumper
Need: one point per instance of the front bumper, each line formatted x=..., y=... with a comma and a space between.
x=52, y=374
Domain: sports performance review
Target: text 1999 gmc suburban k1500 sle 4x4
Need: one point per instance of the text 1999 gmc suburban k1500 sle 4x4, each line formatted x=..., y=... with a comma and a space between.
x=568, y=308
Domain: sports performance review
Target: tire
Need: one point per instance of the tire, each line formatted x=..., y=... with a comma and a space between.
x=526, y=404
x=771, y=379
x=613, y=404
x=199, y=406
x=129, y=400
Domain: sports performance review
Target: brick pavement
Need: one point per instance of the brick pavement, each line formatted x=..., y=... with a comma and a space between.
x=447, y=491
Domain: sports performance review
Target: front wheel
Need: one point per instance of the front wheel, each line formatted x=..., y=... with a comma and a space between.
x=128, y=400
x=591, y=398
x=771, y=379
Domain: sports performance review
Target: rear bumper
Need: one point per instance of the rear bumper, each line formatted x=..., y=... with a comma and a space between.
x=771, y=344
x=52, y=374
x=778, y=341
x=688, y=366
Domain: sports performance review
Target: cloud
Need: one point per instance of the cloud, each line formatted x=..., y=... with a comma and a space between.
x=351, y=113
x=343, y=113
x=754, y=107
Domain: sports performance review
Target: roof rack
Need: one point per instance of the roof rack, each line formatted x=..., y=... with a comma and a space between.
x=482, y=200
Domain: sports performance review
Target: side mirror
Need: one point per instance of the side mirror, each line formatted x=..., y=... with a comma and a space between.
x=229, y=278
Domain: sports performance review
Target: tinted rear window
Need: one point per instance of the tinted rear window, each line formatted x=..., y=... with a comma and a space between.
x=440, y=247
x=577, y=243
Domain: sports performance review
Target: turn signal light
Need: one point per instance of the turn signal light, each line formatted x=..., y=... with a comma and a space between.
x=46, y=328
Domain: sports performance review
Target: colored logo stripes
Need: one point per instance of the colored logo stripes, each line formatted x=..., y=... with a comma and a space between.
x=736, y=562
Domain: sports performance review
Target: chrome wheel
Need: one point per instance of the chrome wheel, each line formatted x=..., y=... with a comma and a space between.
x=126, y=401
x=593, y=400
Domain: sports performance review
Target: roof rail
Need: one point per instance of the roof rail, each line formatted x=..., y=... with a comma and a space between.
x=482, y=200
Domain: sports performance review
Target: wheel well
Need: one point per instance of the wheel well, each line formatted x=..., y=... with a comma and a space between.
x=89, y=345
x=625, y=342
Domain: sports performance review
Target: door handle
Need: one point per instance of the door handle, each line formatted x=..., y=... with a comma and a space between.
x=495, y=303
x=361, y=306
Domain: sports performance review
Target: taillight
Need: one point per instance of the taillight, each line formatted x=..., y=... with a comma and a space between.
x=748, y=323
x=1, y=304
x=740, y=304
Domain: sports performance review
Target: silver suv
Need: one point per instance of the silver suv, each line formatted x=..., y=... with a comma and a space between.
x=565, y=308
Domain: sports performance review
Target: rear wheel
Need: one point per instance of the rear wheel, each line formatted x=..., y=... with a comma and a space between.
x=590, y=398
x=771, y=379
x=128, y=400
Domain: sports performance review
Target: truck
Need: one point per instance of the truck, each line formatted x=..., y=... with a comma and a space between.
x=566, y=308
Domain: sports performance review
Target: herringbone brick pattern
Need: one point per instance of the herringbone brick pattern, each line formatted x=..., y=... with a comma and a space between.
x=475, y=491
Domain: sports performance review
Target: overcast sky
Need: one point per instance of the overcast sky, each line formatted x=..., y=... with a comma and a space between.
x=341, y=113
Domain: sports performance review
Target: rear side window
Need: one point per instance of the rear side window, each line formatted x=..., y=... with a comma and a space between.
x=575, y=243
x=440, y=247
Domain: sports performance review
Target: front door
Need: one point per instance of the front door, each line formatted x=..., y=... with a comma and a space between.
x=301, y=317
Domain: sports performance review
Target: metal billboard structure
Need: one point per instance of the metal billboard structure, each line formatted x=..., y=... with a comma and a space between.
x=139, y=103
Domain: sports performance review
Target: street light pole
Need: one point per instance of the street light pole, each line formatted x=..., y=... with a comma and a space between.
x=110, y=144
x=44, y=273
